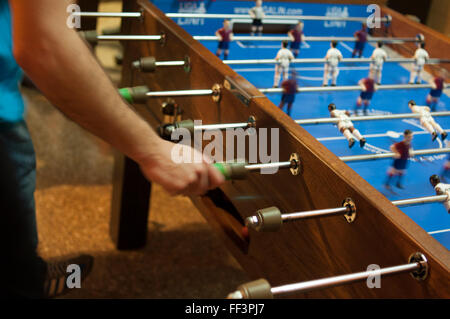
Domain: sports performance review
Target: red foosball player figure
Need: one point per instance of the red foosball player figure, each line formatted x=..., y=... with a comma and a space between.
x=225, y=35
x=437, y=85
x=296, y=36
x=368, y=87
x=360, y=43
x=402, y=151
x=290, y=87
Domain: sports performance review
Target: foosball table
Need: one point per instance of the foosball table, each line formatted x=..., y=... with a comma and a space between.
x=315, y=218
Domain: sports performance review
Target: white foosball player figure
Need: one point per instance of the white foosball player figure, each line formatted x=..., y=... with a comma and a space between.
x=421, y=57
x=332, y=59
x=427, y=121
x=441, y=189
x=345, y=126
x=283, y=58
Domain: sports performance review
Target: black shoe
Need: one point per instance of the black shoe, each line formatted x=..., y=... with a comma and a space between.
x=362, y=142
x=57, y=274
x=379, y=83
x=351, y=142
x=399, y=186
x=333, y=84
x=444, y=135
x=324, y=85
x=434, y=136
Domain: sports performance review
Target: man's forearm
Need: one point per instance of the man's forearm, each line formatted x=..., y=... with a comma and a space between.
x=63, y=68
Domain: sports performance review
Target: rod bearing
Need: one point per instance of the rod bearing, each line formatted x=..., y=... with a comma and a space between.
x=350, y=216
x=217, y=92
x=422, y=272
x=295, y=164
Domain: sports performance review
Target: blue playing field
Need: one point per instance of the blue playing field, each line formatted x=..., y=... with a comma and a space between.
x=431, y=217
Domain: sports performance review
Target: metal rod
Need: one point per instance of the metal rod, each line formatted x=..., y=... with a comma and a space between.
x=108, y=14
x=179, y=93
x=342, y=210
x=420, y=200
x=369, y=118
x=249, y=38
x=314, y=213
x=269, y=17
x=330, y=282
x=253, y=167
x=321, y=61
x=214, y=127
x=129, y=37
x=352, y=88
x=306, y=39
x=170, y=63
x=357, y=158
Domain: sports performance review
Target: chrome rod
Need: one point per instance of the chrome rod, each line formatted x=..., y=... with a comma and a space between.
x=213, y=127
x=108, y=14
x=179, y=93
x=321, y=61
x=306, y=39
x=420, y=200
x=369, y=118
x=129, y=37
x=351, y=88
x=170, y=63
x=307, y=286
x=314, y=213
x=253, y=167
x=269, y=17
x=357, y=158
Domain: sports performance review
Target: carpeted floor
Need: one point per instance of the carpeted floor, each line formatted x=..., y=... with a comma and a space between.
x=184, y=258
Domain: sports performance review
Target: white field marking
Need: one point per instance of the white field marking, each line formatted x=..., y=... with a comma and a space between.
x=310, y=78
x=415, y=123
x=347, y=47
x=304, y=45
x=349, y=68
x=438, y=231
x=336, y=138
x=374, y=149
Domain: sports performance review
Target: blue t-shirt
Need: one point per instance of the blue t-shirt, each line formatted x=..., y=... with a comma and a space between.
x=11, y=103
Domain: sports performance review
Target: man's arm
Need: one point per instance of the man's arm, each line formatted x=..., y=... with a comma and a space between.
x=62, y=66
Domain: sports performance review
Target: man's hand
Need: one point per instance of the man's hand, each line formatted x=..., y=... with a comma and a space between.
x=184, y=178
